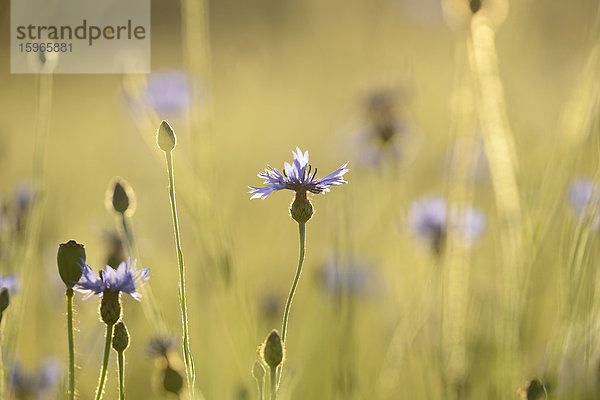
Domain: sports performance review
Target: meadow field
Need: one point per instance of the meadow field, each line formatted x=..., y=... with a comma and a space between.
x=457, y=258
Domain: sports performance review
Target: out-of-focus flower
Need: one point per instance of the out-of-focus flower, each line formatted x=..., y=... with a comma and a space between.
x=584, y=196
x=9, y=282
x=116, y=249
x=123, y=279
x=168, y=92
x=353, y=277
x=161, y=346
x=298, y=176
x=38, y=385
x=382, y=136
x=430, y=220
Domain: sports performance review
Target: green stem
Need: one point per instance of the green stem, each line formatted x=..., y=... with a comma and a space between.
x=149, y=306
x=71, y=345
x=121, y=360
x=102, y=380
x=288, y=304
x=273, y=383
x=189, y=363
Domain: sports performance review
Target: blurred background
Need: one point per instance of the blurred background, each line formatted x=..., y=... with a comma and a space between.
x=454, y=264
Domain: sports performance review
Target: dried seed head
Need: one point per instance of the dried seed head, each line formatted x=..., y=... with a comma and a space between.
x=70, y=257
x=165, y=137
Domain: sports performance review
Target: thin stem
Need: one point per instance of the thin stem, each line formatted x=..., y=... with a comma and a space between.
x=273, y=383
x=288, y=304
x=149, y=306
x=121, y=360
x=102, y=380
x=187, y=354
x=71, y=345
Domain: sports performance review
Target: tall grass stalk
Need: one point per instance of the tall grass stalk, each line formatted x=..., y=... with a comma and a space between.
x=26, y=258
x=187, y=354
x=500, y=150
x=149, y=305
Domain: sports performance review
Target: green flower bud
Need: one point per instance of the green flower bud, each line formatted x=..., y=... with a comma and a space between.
x=120, y=340
x=165, y=137
x=4, y=299
x=110, y=307
x=172, y=380
x=121, y=197
x=69, y=258
x=258, y=371
x=272, y=349
x=301, y=209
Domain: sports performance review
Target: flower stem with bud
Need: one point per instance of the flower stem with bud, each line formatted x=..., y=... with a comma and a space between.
x=167, y=140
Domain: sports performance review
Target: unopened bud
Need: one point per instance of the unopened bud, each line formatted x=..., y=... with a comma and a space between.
x=301, y=209
x=258, y=371
x=165, y=137
x=70, y=257
x=4, y=299
x=121, y=197
x=172, y=380
x=272, y=350
x=120, y=340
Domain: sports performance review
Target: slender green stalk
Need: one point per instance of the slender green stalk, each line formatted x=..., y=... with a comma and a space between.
x=150, y=307
x=260, y=385
x=102, y=380
x=121, y=361
x=71, y=346
x=288, y=304
x=187, y=354
x=273, y=383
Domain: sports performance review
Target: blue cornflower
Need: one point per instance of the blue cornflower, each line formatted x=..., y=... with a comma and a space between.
x=429, y=220
x=168, y=92
x=9, y=283
x=29, y=385
x=584, y=196
x=353, y=277
x=298, y=177
x=123, y=279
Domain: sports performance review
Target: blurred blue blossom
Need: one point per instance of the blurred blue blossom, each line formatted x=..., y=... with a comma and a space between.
x=9, y=282
x=429, y=221
x=298, y=177
x=123, y=279
x=168, y=92
x=352, y=277
x=38, y=385
x=584, y=196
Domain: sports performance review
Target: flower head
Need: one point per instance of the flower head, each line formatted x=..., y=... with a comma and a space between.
x=39, y=384
x=123, y=279
x=429, y=221
x=298, y=176
x=584, y=196
x=9, y=283
x=168, y=92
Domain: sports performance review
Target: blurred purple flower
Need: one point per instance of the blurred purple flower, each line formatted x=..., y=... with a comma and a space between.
x=168, y=92
x=429, y=221
x=298, y=177
x=124, y=279
x=9, y=282
x=37, y=385
x=352, y=277
x=584, y=196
